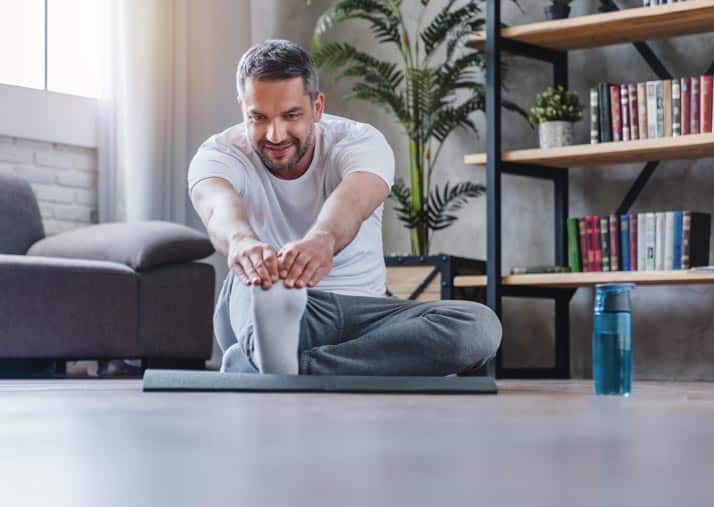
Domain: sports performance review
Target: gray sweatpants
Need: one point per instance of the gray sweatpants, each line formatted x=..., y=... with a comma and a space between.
x=358, y=335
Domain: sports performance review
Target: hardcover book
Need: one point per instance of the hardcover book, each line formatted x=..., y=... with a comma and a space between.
x=614, y=243
x=633, y=242
x=685, y=83
x=642, y=110
x=660, y=108
x=594, y=117
x=605, y=117
x=650, y=241
x=696, y=233
x=573, y=246
x=615, y=113
x=651, y=109
x=694, y=106
x=596, y=245
x=642, y=242
x=669, y=240
x=667, y=93
x=625, y=242
x=605, y=242
x=659, y=240
x=634, y=116
x=705, y=106
x=677, y=247
x=676, y=109
x=583, y=237
x=625, y=112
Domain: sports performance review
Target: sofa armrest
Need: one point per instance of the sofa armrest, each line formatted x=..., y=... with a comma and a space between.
x=67, y=308
x=139, y=245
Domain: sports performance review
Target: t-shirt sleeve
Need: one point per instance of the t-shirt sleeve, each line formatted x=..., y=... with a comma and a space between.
x=211, y=162
x=366, y=150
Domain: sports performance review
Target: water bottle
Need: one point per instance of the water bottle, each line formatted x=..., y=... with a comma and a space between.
x=612, y=339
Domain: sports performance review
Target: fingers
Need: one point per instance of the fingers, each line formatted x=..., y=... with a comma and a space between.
x=307, y=277
x=298, y=266
x=287, y=257
x=238, y=270
x=259, y=265
x=270, y=257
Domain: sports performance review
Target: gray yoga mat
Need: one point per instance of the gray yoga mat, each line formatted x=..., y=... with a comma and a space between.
x=195, y=380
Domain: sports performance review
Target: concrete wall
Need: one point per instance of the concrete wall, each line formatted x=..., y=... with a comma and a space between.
x=674, y=327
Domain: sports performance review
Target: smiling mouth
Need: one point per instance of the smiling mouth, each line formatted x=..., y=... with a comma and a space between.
x=278, y=151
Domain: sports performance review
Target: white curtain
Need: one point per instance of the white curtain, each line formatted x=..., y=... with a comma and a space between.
x=142, y=113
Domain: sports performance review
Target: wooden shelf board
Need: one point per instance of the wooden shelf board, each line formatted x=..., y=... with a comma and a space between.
x=621, y=152
x=628, y=25
x=573, y=280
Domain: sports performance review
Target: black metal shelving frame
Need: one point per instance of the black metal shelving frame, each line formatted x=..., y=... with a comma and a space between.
x=495, y=291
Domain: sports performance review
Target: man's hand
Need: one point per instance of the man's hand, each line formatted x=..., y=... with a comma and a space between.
x=255, y=262
x=304, y=263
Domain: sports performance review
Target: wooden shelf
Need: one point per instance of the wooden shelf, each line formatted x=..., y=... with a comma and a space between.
x=574, y=280
x=621, y=152
x=629, y=25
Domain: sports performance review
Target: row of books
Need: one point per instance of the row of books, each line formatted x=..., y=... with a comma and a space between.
x=669, y=240
x=663, y=108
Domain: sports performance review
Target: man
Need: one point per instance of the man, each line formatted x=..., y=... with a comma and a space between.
x=294, y=198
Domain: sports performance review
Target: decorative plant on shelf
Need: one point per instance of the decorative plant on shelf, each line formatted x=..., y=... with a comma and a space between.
x=420, y=90
x=554, y=112
x=558, y=9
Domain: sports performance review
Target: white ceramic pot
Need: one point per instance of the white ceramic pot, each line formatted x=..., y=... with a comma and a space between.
x=552, y=134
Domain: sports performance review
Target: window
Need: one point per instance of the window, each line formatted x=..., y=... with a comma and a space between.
x=51, y=45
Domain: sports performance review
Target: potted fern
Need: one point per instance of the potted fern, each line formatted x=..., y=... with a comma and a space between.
x=420, y=90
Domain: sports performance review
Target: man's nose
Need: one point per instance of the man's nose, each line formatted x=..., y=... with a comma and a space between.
x=276, y=132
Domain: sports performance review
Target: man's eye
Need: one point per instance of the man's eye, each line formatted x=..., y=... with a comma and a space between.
x=293, y=116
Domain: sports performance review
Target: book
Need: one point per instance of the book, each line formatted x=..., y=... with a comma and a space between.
x=705, y=105
x=668, y=240
x=685, y=84
x=605, y=242
x=594, y=117
x=615, y=114
x=573, y=245
x=650, y=240
x=625, y=112
x=642, y=110
x=659, y=87
x=614, y=243
x=596, y=245
x=634, y=117
x=696, y=233
x=625, y=242
x=667, y=101
x=633, y=242
x=694, y=106
x=677, y=243
x=583, y=237
x=524, y=270
x=641, y=242
x=605, y=117
x=676, y=108
x=659, y=241
x=651, y=109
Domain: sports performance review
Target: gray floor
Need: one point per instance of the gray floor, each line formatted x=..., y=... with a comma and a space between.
x=105, y=443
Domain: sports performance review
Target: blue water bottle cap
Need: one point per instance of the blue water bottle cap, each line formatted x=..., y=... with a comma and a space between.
x=613, y=297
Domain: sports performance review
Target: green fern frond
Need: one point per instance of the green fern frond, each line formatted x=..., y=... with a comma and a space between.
x=442, y=203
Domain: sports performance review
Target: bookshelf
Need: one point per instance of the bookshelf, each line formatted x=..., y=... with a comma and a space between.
x=550, y=41
x=609, y=28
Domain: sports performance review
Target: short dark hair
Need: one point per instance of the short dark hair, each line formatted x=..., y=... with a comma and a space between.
x=275, y=60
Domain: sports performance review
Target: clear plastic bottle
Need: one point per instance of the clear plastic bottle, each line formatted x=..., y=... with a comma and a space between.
x=612, y=339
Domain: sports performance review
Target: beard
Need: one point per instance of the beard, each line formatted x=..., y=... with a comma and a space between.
x=301, y=148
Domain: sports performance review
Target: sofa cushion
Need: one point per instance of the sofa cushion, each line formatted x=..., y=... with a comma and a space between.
x=139, y=245
x=20, y=220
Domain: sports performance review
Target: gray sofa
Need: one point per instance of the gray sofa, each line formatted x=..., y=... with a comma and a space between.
x=105, y=291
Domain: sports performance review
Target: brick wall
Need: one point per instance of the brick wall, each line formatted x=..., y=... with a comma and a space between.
x=64, y=179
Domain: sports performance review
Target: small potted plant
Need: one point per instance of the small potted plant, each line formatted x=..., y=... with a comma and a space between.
x=559, y=9
x=554, y=112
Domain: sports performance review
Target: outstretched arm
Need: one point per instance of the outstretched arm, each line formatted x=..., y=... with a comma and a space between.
x=305, y=262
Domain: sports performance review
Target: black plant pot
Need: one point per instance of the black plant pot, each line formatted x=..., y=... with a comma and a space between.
x=556, y=11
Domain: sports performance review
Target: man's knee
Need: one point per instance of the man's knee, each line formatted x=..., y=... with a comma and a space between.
x=477, y=334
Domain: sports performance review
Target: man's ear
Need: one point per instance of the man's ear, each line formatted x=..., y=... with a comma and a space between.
x=319, y=106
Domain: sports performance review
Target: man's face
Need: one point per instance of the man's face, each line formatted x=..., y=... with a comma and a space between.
x=280, y=119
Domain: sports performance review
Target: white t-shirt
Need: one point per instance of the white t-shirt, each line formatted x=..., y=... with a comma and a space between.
x=281, y=210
